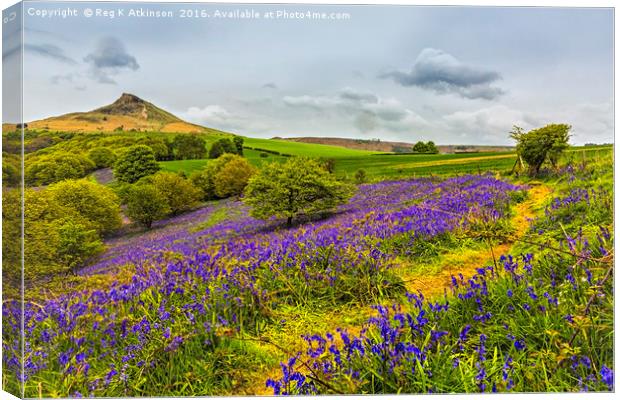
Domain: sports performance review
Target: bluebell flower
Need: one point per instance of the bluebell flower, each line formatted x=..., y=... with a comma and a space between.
x=607, y=376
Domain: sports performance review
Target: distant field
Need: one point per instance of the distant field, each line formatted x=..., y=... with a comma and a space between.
x=190, y=166
x=304, y=149
x=392, y=166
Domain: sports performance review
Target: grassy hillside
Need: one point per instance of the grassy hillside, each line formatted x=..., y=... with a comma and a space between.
x=127, y=113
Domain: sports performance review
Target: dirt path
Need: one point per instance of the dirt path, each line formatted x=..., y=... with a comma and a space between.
x=467, y=262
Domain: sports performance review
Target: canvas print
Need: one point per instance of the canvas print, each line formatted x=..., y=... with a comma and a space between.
x=205, y=199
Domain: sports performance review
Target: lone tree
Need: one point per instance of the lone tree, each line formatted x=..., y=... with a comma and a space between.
x=420, y=147
x=135, y=163
x=300, y=185
x=425, y=148
x=145, y=204
x=542, y=144
x=431, y=148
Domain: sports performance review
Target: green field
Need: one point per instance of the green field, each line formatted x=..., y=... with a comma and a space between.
x=189, y=166
x=390, y=166
x=304, y=149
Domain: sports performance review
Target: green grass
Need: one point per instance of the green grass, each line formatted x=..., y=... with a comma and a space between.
x=304, y=149
x=189, y=166
x=385, y=166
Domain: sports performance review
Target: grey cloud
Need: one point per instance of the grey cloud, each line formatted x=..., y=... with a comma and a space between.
x=443, y=73
x=110, y=58
x=270, y=85
x=369, y=111
x=366, y=122
x=50, y=51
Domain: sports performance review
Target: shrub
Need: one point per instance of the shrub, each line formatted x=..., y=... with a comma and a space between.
x=102, y=157
x=159, y=147
x=233, y=177
x=542, y=144
x=60, y=230
x=360, y=176
x=96, y=203
x=135, y=163
x=189, y=147
x=77, y=243
x=231, y=181
x=330, y=165
x=298, y=186
x=179, y=193
x=145, y=204
x=11, y=168
x=47, y=170
x=203, y=180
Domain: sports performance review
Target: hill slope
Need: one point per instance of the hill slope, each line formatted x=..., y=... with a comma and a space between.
x=127, y=113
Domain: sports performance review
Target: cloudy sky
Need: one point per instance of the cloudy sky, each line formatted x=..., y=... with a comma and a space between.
x=453, y=75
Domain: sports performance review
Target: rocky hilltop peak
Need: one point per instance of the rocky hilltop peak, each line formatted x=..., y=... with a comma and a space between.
x=127, y=113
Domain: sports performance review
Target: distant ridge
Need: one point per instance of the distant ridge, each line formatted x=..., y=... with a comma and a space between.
x=127, y=113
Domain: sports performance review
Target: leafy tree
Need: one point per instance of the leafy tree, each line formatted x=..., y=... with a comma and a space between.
x=203, y=180
x=232, y=177
x=57, y=236
x=11, y=168
x=238, y=142
x=179, y=193
x=300, y=185
x=76, y=243
x=542, y=144
x=222, y=146
x=46, y=170
x=420, y=147
x=102, y=157
x=189, y=147
x=360, y=176
x=145, y=204
x=216, y=150
x=95, y=203
x=135, y=163
x=170, y=147
x=11, y=237
x=160, y=149
x=431, y=148
x=228, y=146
